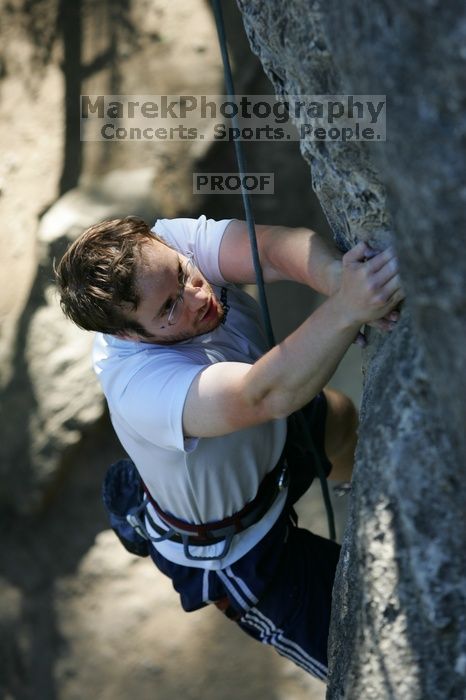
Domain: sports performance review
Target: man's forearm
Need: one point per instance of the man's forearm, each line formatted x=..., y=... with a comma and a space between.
x=301, y=365
x=296, y=254
x=301, y=255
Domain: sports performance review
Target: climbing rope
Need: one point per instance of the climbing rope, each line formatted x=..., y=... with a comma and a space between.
x=242, y=169
x=298, y=416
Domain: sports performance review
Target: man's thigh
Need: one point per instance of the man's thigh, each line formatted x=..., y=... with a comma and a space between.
x=340, y=433
x=294, y=613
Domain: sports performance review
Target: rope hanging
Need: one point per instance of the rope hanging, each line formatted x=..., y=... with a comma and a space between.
x=298, y=416
x=242, y=169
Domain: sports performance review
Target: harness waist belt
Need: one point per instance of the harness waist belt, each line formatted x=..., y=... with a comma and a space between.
x=216, y=531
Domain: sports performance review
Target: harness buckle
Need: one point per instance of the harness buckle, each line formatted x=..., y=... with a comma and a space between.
x=283, y=478
x=193, y=557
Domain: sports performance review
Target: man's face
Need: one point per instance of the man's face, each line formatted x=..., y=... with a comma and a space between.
x=159, y=282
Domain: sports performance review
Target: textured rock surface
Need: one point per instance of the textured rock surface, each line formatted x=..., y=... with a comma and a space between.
x=49, y=393
x=398, y=626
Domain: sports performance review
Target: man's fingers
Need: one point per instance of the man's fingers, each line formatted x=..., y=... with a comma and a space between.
x=387, y=272
x=360, y=340
x=389, y=288
x=383, y=325
x=377, y=262
x=358, y=253
x=397, y=297
x=392, y=302
x=372, y=284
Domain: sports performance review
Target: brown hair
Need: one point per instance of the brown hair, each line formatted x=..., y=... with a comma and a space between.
x=96, y=275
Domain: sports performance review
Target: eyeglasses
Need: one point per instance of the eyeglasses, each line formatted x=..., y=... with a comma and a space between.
x=174, y=312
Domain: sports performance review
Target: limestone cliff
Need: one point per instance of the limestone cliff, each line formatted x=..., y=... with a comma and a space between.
x=398, y=627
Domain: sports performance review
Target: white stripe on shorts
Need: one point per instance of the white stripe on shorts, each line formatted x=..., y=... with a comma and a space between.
x=273, y=635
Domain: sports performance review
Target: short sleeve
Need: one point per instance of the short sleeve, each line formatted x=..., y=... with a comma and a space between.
x=153, y=400
x=201, y=237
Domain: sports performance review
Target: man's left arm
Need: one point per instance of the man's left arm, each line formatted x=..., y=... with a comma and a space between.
x=296, y=254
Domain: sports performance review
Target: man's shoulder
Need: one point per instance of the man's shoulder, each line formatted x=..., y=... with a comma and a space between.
x=115, y=355
x=179, y=232
x=112, y=356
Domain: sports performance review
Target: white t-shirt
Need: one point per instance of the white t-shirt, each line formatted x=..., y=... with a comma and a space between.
x=197, y=480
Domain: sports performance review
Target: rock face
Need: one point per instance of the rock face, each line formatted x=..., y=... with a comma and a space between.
x=398, y=628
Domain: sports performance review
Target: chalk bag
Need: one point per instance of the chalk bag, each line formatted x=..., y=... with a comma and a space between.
x=123, y=494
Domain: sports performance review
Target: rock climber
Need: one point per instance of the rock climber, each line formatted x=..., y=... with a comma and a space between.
x=205, y=410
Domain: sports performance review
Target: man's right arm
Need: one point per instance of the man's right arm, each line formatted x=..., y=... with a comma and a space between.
x=229, y=396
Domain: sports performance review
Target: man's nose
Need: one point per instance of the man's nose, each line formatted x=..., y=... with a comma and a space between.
x=194, y=297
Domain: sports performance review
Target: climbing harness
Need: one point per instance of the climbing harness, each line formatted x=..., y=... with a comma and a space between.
x=126, y=499
x=298, y=417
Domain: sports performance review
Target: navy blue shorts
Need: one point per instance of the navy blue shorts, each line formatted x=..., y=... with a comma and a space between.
x=280, y=592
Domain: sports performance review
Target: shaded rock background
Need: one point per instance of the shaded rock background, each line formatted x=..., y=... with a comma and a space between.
x=398, y=626
x=78, y=617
